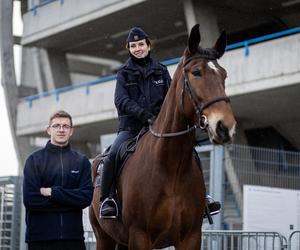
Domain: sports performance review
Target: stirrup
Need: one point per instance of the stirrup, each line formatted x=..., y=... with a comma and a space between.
x=208, y=213
x=210, y=200
x=114, y=204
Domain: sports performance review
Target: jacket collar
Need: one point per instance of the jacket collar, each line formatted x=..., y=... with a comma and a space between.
x=54, y=148
x=130, y=65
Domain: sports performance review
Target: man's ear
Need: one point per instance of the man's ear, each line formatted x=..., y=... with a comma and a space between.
x=48, y=131
x=72, y=131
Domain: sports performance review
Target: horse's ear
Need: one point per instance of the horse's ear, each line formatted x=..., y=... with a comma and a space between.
x=220, y=44
x=194, y=39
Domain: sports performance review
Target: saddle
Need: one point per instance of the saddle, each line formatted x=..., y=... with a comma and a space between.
x=126, y=149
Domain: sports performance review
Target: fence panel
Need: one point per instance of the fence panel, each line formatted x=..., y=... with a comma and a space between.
x=294, y=241
x=242, y=240
x=265, y=167
x=231, y=240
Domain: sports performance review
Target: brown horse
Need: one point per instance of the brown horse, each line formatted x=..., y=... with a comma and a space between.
x=161, y=188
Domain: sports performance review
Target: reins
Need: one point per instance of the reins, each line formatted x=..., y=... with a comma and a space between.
x=167, y=135
x=203, y=121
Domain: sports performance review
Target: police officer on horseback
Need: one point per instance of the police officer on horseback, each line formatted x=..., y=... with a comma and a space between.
x=142, y=84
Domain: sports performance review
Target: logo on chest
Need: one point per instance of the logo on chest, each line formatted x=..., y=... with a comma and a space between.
x=158, y=82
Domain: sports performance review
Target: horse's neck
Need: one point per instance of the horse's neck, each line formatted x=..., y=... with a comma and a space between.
x=171, y=120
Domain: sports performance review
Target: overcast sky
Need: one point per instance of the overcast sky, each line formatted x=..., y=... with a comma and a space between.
x=9, y=164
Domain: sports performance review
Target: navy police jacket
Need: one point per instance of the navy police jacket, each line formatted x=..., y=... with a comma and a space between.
x=68, y=173
x=140, y=91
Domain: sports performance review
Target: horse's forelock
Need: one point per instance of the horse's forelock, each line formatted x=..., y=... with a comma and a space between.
x=205, y=53
x=209, y=53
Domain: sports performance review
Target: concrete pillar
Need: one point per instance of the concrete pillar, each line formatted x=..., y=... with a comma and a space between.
x=50, y=69
x=21, y=144
x=202, y=12
x=216, y=179
x=58, y=68
x=38, y=76
x=9, y=79
x=216, y=182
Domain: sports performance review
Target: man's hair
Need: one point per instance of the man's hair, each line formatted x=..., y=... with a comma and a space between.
x=61, y=114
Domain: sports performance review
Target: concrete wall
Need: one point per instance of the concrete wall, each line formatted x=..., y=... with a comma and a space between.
x=85, y=108
x=57, y=17
x=269, y=65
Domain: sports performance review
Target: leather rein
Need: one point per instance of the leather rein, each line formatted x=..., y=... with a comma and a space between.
x=203, y=121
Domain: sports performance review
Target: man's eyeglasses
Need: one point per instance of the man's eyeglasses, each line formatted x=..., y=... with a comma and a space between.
x=61, y=126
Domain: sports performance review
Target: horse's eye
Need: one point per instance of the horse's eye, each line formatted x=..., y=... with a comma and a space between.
x=197, y=73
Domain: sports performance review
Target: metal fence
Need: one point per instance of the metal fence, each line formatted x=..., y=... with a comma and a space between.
x=244, y=165
x=10, y=212
x=265, y=167
x=90, y=240
x=294, y=241
x=257, y=166
x=233, y=240
x=242, y=240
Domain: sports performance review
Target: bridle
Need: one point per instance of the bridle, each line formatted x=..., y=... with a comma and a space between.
x=203, y=121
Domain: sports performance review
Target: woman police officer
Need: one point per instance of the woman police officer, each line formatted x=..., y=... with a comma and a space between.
x=142, y=84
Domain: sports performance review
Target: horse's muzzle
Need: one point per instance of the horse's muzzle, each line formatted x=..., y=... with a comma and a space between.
x=222, y=132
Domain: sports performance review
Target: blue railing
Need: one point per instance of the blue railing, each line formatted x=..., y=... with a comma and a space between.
x=87, y=85
x=35, y=7
x=246, y=43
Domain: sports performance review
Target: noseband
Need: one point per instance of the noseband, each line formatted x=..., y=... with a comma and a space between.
x=203, y=121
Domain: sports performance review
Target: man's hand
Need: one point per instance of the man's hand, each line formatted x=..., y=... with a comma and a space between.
x=45, y=191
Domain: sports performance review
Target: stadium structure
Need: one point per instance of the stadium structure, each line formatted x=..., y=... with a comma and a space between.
x=71, y=50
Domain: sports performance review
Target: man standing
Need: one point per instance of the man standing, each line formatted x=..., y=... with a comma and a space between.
x=57, y=186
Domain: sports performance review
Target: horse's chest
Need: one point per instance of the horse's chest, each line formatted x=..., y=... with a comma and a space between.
x=172, y=213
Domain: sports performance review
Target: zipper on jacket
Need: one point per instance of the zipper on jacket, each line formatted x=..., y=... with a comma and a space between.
x=61, y=226
x=62, y=168
x=146, y=86
x=62, y=182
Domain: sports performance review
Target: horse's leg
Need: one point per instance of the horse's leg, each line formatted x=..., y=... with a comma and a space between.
x=139, y=240
x=192, y=242
x=103, y=240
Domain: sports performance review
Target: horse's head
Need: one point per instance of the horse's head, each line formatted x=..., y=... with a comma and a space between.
x=205, y=102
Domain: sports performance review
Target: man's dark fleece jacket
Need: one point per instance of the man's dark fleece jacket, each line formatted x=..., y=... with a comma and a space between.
x=59, y=216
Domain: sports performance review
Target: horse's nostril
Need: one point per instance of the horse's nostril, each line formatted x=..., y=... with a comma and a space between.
x=222, y=131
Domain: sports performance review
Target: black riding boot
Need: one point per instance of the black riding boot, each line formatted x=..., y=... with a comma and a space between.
x=108, y=208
